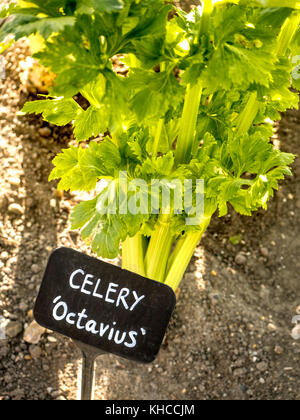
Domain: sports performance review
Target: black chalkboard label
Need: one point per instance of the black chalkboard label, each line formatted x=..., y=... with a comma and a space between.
x=104, y=306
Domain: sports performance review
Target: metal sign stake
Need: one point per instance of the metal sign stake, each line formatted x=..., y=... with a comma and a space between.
x=86, y=379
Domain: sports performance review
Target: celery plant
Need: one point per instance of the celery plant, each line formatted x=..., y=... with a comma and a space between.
x=194, y=103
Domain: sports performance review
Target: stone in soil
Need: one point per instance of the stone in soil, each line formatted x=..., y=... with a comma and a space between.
x=264, y=252
x=15, y=182
x=35, y=268
x=45, y=132
x=4, y=351
x=33, y=333
x=23, y=307
x=278, y=350
x=296, y=332
x=13, y=328
x=35, y=351
x=15, y=209
x=240, y=259
x=262, y=366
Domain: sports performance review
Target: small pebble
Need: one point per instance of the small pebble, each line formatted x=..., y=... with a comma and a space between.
x=278, y=350
x=23, y=307
x=13, y=328
x=4, y=351
x=4, y=256
x=35, y=351
x=45, y=131
x=272, y=327
x=33, y=333
x=53, y=203
x=264, y=252
x=296, y=332
x=15, y=182
x=240, y=259
x=15, y=209
x=35, y=268
x=262, y=366
x=55, y=394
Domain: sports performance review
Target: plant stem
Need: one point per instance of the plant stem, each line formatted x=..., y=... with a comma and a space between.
x=183, y=256
x=157, y=136
x=248, y=115
x=175, y=252
x=189, y=118
x=133, y=253
x=160, y=123
x=207, y=11
x=159, y=249
x=287, y=33
x=193, y=95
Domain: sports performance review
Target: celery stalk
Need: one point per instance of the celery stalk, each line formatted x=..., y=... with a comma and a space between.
x=184, y=255
x=186, y=135
x=248, y=115
x=159, y=249
x=157, y=136
x=287, y=33
x=133, y=253
x=207, y=10
x=175, y=252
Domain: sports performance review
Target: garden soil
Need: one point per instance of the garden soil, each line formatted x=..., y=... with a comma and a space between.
x=230, y=336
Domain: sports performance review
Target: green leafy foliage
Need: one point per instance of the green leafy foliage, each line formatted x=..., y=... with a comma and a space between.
x=24, y=25
x=80, y=169
x=59, y=111
x=43, y=17
x=7, y=10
